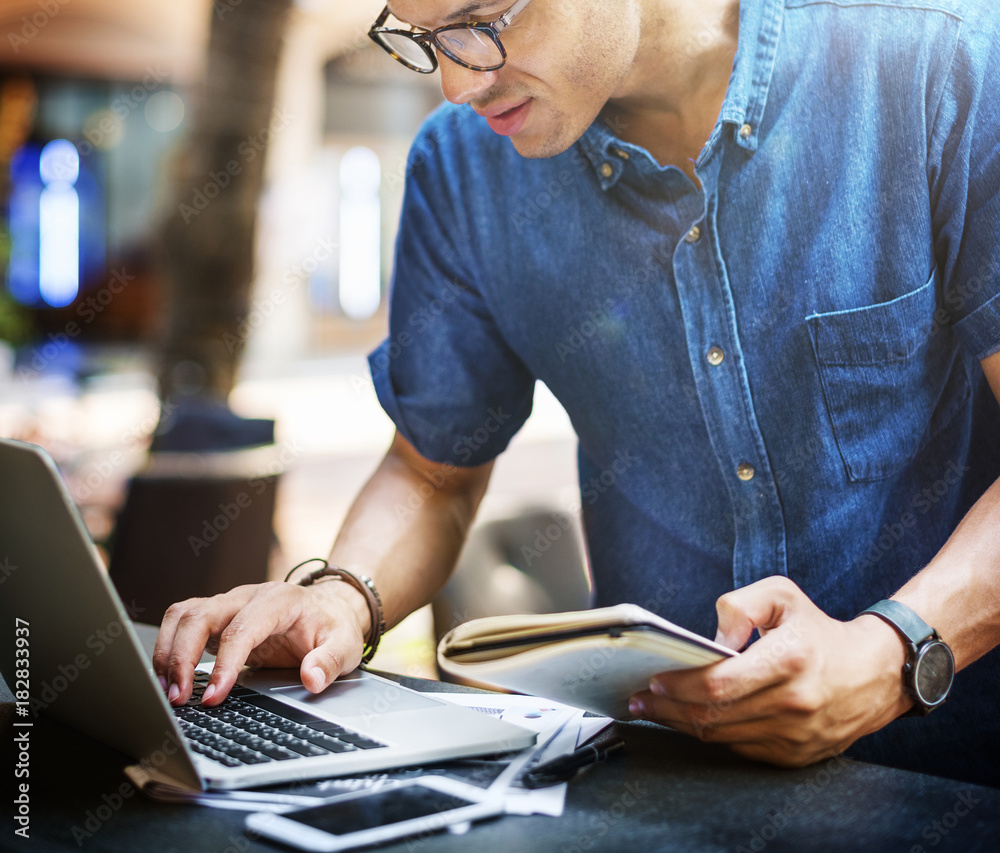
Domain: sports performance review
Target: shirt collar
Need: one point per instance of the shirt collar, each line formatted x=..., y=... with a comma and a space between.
x=760, y=28
x=742, y=109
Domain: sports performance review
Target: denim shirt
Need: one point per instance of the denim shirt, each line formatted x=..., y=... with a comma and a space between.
x=775, y=373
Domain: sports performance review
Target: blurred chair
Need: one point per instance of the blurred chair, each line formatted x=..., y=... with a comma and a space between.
x=198, y=519
x=530, y=563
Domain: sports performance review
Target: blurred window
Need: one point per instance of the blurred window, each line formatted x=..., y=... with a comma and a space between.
x=360, y=233
x=373, y=110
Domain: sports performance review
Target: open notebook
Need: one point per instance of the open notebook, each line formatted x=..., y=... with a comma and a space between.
x=593, y=659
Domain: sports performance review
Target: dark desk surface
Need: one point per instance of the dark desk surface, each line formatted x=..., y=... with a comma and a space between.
x=666, y=792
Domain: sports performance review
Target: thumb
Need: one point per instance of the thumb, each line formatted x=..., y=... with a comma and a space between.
x=321, y=666
x=762, y=605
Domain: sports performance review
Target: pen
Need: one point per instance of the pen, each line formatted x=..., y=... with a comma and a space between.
x=565, y=767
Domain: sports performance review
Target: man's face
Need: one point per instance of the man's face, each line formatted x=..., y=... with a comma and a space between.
x=565, y=59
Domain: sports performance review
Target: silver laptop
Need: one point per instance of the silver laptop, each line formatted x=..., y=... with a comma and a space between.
x=87, y=668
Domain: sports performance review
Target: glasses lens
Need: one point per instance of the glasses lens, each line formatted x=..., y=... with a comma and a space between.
x=407, y=50
x=472, y=47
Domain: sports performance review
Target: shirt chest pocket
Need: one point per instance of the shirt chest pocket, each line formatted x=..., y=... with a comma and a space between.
x=892, y=380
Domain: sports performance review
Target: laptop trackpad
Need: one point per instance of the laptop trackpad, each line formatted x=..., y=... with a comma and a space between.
x=362, y=697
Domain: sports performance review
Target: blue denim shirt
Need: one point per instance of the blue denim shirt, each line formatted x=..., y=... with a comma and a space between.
x=774, y=374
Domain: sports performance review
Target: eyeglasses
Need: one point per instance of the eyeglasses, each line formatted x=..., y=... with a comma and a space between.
x=474, y=45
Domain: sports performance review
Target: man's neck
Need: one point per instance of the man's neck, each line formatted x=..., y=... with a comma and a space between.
x=670, y=100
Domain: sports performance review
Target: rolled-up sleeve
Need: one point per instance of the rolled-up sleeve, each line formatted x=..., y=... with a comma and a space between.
x=964, y=179
x=445, y=375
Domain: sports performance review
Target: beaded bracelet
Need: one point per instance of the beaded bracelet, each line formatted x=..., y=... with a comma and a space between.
x=362, y=584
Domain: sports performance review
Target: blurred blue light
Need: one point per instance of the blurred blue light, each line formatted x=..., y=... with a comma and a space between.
x=57, y=221
x=59, y=245
x=59, y=163
x=59, y=224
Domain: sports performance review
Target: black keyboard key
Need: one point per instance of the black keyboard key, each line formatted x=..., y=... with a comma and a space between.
x=200, y=736
x=229, y=732
x=339, y=746
x=312, y=750
x=276, y=752
x=249, y=725
x=215, y=755
x=328, y=727
x=262, y=716
x=303, y=747
x=203, y=736
x=245, y=739
x=255, y=759
x=218, y=711
x=360, y=741
x=330, y=744
x=207, y=751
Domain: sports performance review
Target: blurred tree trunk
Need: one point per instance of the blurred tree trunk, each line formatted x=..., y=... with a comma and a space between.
x=208, y=241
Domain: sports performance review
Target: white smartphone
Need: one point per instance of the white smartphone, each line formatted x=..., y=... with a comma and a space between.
x=412, y=807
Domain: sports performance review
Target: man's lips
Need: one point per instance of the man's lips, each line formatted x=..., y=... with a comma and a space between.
x=506, y=119
x=495, y=110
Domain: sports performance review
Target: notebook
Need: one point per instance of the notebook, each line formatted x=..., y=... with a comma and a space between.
x=87, y=668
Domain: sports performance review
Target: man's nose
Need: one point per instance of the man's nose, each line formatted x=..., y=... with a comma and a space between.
x=461, y=85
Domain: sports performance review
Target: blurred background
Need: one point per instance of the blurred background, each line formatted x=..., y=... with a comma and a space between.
x=198, y=205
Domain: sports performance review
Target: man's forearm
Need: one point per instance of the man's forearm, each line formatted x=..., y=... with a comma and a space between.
x=407, y=526
x=958, y=593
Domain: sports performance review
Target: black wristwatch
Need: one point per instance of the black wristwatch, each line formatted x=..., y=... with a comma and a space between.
x=930, y=666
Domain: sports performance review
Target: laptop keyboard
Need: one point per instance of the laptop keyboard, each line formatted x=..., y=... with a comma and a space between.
x=251, y=728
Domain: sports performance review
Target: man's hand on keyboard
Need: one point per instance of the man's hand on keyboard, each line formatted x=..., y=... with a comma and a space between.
x=319, y=629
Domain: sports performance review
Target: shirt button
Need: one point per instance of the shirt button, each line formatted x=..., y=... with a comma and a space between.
x=745, y=472
x=715, y=356
x=746, y=131
x=607, y=170
x=694, y=235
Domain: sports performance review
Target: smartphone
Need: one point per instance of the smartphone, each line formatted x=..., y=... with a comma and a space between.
x=411, y=807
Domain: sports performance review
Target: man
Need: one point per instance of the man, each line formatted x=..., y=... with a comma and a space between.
x=752, y=247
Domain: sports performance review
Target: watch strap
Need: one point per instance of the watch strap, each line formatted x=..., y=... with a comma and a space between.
x=904, y=620
x=917, y=633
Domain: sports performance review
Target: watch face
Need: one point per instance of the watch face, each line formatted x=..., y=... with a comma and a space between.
x=933, y=673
